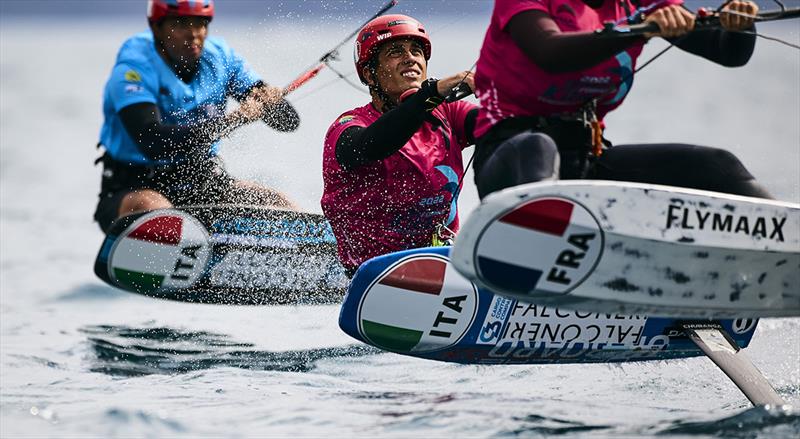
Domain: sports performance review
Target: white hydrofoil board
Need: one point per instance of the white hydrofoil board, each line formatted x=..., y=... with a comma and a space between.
x=636, y=248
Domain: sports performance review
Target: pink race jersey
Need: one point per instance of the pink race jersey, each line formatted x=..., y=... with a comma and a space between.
x=509, y=84
x=395, y=203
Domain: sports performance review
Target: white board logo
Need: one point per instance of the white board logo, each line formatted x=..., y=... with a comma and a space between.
x=495, y=319
x=741, y=326
x=547, y=245
x=161, y=251
x=419, y=304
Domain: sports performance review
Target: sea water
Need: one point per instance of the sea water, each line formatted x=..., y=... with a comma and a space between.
x=81, y=359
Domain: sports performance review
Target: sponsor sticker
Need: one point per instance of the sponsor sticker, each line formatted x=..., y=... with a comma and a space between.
x=555, y=327
x=161, y=251
x=277, y=270
x=133, y=88
x=286, y=230
x=133, y=76
x=683, y=216
x=419, y=304
x=523, y=352
x=344, y=119
x=546, y=245
x=495, y=320
x=741, y=326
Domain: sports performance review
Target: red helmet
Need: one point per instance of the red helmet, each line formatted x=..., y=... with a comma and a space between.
x=386, y=28
x=158, y=9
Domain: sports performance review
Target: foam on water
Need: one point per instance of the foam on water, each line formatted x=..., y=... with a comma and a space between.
x=78, y=358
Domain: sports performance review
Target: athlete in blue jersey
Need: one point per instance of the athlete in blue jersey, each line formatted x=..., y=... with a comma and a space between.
x=164, y=108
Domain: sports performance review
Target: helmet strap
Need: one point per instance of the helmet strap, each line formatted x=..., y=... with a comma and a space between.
x=375, y=89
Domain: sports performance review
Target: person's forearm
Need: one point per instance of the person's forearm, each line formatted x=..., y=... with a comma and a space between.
x=554, y=51
x=730, y=49
x=385, y=136
x=159, y=141
x=280, y=116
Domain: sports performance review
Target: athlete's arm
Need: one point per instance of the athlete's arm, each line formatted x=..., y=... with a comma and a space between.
x=158, y=140
x=728, y=46
x=554, y=51
x=469, y=125
x=730, y=49
x=358, y=145
x=279, y=114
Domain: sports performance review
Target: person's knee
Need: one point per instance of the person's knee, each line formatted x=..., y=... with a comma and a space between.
x=713, y=163
x=524, y=158
x=537, y=145
x=720, y=170
x=142, y=201
x=728, y=162
x=733, y=177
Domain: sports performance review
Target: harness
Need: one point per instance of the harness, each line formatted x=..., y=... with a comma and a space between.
x=579, y=130
x=162, y=177
x=140, y=171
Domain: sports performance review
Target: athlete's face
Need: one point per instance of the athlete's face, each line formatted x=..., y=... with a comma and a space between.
x=182, y=37
x=401, y=66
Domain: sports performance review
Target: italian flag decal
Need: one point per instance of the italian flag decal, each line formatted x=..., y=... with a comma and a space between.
x=420, y=304
x=162, y=250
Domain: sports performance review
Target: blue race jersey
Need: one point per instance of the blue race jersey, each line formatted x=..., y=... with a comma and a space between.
x=141, y=75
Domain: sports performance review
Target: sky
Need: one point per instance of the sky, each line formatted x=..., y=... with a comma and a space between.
x=278, y=8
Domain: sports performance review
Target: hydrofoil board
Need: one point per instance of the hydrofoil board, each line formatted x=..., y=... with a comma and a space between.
x=242, y=255
x=632, y=248
x=416, y=303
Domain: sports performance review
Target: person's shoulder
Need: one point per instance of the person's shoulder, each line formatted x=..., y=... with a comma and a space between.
x=360, y=116
x=524, y=4
x=505, y=10
x=457, y=109
x=217, y=47
x=136, y=47
x=658, y=3
x=363, y=115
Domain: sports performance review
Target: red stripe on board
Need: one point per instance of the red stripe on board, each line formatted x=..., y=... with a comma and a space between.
x=547, y=216
x=162, y=230
x=419, y=275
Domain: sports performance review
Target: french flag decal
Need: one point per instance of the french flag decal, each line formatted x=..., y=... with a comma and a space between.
x=547, y=245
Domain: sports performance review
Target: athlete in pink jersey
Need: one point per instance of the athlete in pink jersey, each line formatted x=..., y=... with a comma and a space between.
x=545, y=82
x=392, y=167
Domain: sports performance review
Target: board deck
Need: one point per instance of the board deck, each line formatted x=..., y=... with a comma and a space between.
x=241, y=255
x=415, y=303
x=636, y=249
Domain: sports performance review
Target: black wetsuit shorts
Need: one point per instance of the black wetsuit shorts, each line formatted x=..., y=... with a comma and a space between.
x=204, y=182
x=511, y=154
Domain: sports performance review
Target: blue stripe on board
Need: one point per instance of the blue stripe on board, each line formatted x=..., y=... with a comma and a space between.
x=508, y=277
x=106, y=250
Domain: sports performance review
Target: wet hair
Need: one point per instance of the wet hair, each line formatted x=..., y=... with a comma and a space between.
x=375, y=87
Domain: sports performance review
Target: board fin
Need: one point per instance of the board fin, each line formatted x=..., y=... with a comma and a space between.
x=718, y=345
